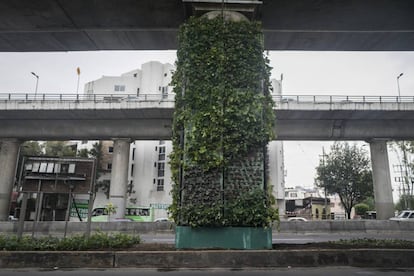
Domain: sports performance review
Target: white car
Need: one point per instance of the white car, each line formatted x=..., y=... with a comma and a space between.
x=405, y=215
x=161, y=219
x=297, y=219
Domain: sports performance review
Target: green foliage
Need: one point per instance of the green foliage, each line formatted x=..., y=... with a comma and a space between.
x=370, y=202
x=97, y=241
x=83, y=153
x=223, y=121
x=361, y=208
x=103, y=185
x=31, y=148
x=406, y=202
x=346, y=172
x=373, y=243
x=58, y=148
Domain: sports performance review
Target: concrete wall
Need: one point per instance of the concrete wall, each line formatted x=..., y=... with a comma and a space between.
x=334, y=226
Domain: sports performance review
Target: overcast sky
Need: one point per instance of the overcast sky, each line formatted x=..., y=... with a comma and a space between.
x=318, y=73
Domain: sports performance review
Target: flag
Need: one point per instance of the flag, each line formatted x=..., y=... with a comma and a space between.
x=78, y=70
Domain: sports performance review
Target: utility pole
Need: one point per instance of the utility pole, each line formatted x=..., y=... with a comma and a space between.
x=326, y=200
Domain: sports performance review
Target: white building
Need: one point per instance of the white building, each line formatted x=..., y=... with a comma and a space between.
x=149, y=171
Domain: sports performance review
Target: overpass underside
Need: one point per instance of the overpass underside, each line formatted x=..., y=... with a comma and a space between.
x=310, y=25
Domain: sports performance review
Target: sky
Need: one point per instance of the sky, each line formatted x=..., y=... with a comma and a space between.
x=304, y=73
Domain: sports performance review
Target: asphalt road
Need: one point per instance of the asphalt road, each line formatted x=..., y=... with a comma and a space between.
x=312, y=271
x=301, y=238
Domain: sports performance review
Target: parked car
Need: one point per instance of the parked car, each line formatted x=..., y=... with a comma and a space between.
x=297, y=219
x=161, y=219
x=405, y=215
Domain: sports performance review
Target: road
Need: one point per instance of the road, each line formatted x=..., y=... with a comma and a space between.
x=301, y=238
x=312, y=271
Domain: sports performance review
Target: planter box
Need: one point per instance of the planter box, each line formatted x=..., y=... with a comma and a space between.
x=223, y=237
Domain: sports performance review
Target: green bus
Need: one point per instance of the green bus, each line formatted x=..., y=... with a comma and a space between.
x=141, y=214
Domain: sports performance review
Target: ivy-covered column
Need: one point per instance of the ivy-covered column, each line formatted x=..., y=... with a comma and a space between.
x=222, y=123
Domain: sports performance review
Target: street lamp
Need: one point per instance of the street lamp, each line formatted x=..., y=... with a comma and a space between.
x=37, y=82
x=398, y=84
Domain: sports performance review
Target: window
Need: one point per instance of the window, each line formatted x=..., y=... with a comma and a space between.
x=165, y=74
x=119, y=88
x=110, y=149
x=43, y=167
x=133, y=154
x=161, y=153
x=160, y=185
x=135, y=75
x=49, y=168
x=109, y=166
x=132, y=170
x=71, y=168
x=64, y=168
x=138, y=91
x=164, y=92
x=161, y=169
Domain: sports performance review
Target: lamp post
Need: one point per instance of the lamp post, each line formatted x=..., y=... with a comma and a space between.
x=77, y=89
x=37, y=82
x=398, y=84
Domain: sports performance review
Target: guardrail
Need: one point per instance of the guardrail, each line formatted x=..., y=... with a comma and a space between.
x=25, y=97
x=342, y=99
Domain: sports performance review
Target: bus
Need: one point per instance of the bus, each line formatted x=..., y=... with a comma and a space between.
x=141, y=214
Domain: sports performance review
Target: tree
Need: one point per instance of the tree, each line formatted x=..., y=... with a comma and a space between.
x=31, y=148
x=346, y=171
x=104, y=185
x=58, y=148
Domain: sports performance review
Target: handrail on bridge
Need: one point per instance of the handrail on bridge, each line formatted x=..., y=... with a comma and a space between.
x=26, y=97
x=341, y=99
x=279, y=99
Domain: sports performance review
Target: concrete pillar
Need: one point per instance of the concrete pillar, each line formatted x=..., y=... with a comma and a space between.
x=382, y=180
x=9, y=151
x=119, y=176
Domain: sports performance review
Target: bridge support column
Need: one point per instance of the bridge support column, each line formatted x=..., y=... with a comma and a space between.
x=9, y=151
x=382, y=180
x=119, y=176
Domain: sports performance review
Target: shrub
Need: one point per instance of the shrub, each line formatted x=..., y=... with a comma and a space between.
x=97, y=241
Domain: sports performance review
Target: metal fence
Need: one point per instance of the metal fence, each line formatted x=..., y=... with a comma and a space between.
x=342, y=99
x=26, y=97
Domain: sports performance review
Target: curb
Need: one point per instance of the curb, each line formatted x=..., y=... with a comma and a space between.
x=209, y=259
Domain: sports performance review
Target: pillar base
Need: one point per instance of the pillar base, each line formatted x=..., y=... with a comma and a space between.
x=187, y=237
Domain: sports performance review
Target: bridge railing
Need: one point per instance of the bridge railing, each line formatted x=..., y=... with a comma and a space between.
x=331, y=99
x=26, y=97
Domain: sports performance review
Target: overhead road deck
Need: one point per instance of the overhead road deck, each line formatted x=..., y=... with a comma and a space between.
x=310, y=25
x=149, y=117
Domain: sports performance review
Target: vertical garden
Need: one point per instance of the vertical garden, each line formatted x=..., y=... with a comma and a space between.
x=223, y=122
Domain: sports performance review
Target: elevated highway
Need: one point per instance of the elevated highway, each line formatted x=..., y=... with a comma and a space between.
x=123, y=118
x=75, y=117
x=311, y=25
